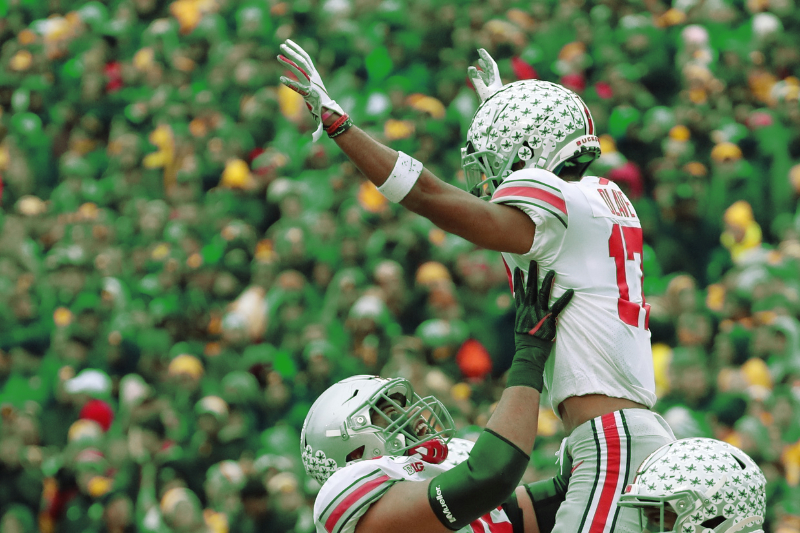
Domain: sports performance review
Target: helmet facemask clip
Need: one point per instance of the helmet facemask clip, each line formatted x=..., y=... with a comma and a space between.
x=481, y=177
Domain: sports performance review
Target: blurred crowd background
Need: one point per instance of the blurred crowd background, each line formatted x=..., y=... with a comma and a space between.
x=182, y=271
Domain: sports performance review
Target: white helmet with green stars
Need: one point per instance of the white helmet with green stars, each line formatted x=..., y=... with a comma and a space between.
x=364, y=417
x=538, y=123
x=710, y=485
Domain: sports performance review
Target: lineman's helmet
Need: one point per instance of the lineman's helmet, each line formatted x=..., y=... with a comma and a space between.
x=363, y=417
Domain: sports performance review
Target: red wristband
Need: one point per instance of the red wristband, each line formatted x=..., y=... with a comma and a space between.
x=339, y=121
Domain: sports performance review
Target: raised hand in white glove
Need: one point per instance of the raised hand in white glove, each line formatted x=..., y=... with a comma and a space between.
x=487, y=80
x=309, y=84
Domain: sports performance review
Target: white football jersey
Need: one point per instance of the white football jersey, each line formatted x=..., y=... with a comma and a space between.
x=347, y=494
x=589, y=233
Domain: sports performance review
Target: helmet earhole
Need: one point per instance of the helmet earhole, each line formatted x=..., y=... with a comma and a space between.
x=356, y=454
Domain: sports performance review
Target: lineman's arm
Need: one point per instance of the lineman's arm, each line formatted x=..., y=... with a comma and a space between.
x=540, y=501
x=458, y=496
x=405, y=505
x=492, y=226
x=529, y=521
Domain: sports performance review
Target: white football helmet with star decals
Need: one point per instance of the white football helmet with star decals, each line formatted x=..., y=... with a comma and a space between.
x=710, y=485
x=363, y=417
x=541, y=124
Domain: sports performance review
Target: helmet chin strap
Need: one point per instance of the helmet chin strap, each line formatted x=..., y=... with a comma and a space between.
x=433, y=451
x=547, y=149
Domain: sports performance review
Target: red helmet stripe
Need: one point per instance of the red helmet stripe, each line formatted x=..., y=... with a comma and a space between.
x=589, y=121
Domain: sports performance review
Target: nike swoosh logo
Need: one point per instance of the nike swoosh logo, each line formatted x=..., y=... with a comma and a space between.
x=574, y=468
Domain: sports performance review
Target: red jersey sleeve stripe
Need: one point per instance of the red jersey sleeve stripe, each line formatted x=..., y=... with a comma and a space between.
x=510, y=277
x=532, y=192
x=352, y=498
x=343, y=493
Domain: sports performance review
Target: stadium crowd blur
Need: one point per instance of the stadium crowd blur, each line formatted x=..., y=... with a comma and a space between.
x=182, y=271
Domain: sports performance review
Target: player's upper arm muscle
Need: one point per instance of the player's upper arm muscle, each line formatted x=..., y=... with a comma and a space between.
x=515, y=229
x=492, y=226
x=403, y=508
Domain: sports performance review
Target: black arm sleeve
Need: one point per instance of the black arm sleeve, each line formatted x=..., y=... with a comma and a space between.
x=547, y=496
x=514, y=514
x=550, y=494
x=479, y=484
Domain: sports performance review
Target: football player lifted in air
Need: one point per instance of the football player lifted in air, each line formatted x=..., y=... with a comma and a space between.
x=386, y=458
x=528, y=147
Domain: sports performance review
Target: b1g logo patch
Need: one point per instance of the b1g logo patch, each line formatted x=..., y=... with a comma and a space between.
x=414, y=468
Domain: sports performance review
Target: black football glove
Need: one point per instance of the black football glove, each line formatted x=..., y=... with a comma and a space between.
x=534, y=326
x=535, y=319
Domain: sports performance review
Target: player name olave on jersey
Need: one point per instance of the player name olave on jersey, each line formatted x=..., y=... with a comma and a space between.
x=609, y=200
x=348, y=493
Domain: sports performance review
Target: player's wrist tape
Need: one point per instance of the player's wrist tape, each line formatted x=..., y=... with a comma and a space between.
x=527, y=367
x=404, y=175
x=479, y=484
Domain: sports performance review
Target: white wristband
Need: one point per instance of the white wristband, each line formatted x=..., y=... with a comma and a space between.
x=404, y=175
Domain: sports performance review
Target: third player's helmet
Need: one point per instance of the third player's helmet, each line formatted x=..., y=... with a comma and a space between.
x=364, y=417
x=539, y=123
x=710, y=485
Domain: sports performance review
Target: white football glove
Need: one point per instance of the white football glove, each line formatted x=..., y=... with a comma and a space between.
x=486, y=81
x=309, y=84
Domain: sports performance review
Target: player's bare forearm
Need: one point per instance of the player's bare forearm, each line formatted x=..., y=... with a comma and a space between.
x=491, y=226
x=516, y=417
x=480, y=222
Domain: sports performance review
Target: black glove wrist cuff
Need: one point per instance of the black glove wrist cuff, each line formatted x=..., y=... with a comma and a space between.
x=527, y=368
x=523, y=341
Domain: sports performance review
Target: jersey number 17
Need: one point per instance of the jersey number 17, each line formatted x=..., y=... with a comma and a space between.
x=625, y=244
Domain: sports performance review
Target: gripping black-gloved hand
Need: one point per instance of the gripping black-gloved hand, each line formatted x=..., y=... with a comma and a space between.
x=534, y=327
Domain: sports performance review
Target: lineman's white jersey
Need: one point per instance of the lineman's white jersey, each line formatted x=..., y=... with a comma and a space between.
x=348, y=493
x=589, y=233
